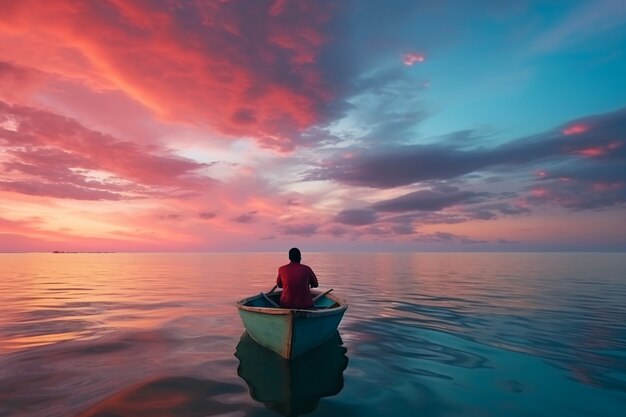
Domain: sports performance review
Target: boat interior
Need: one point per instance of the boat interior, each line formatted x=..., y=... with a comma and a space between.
x=271, y=300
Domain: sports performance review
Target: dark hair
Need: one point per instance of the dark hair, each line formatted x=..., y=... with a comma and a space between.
x=294, y=255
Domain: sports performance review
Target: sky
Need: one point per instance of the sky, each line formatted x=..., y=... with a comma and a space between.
x=330, y=125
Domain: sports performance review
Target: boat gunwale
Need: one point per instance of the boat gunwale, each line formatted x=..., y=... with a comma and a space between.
x=342, y=306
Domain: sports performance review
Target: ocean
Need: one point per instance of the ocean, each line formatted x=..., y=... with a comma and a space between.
x=432, y=334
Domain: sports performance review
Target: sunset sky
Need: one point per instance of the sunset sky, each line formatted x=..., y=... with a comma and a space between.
x=182, y=125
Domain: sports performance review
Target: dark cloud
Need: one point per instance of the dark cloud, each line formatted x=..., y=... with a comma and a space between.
x=430, y=206
x=578, y=195
x=469, y=241
x=244, y=116
x=428, y=217
x=358, y=217
x=483, y=215
x=206, y=215
x=306, y=229
x=511, y=209
x=445, y=237
x=248, y=217
x=396, y=166
x=508, y=242
x=603, y=141
x=402, y=229
x=487, y=211
x=336, y=230
x=587, y=170
x=171, y=216
x=429, y=200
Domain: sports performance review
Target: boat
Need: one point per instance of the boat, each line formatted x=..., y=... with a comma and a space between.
x=292, y=387
x=291, y=332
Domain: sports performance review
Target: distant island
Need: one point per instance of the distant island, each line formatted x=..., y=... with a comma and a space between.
x=62, y=251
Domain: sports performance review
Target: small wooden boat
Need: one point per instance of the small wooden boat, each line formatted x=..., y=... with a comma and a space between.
x=291, y=332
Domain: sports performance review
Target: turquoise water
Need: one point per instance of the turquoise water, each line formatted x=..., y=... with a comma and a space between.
x=424, y=334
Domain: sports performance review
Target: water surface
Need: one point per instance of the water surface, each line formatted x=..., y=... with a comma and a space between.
x=425, y=334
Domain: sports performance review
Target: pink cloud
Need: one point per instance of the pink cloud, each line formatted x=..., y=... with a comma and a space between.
x=539, y=192
x=412, y=58
x=576, y=129
x=302, y=229
x=214, y=64
x=17, y=82
x=58, y=190
x=597, y=151
x=47, y=154
x=19, y=226
x=579, y=195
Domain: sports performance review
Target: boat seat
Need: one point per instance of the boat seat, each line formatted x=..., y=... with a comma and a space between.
x=269, y=300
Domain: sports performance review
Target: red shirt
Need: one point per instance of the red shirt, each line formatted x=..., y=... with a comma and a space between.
x=295, y=278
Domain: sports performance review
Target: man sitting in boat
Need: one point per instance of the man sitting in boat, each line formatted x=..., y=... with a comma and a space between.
x=295, y=279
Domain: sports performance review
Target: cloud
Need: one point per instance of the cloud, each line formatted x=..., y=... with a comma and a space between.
x=24, y=226
x=207, y=215
x=446, y=237
x=487, y=211
x=58, y=190
x=356, y=217
x=170, y=216
x=412, y=58
x=429, y=217
x=16, y=81
x=429, y=200
x=417, y=208
x=392, y=167
x=336, y=230
x=441, y=204
x=48, y=154
x=572, y=176
x=401, y=164
x=403, y=229
x=577, y=195
x=242, y=69
x=245, y=218
x=304, y=229
x=482, y=215
x=508, y=242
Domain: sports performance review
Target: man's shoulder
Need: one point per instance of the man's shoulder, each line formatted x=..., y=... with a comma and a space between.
x=295, y=266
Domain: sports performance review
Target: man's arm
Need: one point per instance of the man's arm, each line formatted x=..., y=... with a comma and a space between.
x=313, y=280
x=279, y=281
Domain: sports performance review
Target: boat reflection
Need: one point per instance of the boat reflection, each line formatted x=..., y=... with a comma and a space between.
x=292, y=387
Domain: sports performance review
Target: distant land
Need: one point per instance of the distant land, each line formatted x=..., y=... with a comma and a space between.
x=61, y=251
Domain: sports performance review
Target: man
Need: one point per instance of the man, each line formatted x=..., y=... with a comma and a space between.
x=295, y=278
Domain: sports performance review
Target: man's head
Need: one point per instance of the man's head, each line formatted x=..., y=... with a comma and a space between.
x=294, y=255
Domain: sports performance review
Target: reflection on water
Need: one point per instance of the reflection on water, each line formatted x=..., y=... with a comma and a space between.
x=167, y=397
x=427, y=334
x=292, y=387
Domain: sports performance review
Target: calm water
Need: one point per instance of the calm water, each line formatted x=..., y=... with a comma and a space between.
x=424, y=334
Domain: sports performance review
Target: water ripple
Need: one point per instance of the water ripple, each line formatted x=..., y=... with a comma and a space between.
x=430, y=334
